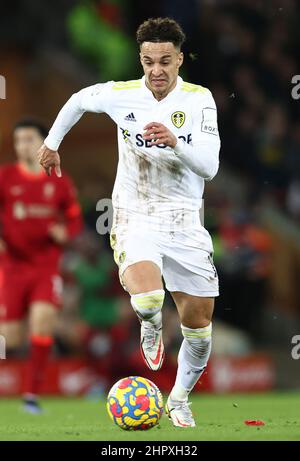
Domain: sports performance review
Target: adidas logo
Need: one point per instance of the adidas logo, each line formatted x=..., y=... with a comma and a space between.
x=130, y=117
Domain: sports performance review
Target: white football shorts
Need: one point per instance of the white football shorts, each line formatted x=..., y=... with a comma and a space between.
x=184, y=263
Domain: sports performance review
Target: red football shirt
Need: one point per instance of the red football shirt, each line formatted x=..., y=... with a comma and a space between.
x=29, y=205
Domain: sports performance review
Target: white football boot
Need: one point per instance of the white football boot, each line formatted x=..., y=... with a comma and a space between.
x=152, y=346
x=180, y=413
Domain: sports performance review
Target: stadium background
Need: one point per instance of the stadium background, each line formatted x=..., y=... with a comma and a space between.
x=246, y=52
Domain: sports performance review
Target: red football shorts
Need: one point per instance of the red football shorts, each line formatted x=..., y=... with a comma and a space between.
x=22, y=286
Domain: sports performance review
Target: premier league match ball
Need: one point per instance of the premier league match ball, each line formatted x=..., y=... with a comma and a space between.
x=135, y=403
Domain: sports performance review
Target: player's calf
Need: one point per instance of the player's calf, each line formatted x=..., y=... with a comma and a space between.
x=192, y=360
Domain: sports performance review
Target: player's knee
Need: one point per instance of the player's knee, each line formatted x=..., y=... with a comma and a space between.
x=194, y=312
x=143, y=276
x=198, y=340
x=148, y=304
x=13, y=336
x=43, y=318
x=42, y=328
x=13, y=342
x=194, y=318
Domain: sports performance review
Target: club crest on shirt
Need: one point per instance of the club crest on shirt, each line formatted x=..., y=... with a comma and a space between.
x=178, y=118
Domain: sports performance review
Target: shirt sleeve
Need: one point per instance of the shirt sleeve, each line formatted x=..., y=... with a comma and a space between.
x=94, y=98
x=202, y=155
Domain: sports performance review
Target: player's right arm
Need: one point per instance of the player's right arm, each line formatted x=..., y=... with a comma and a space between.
x=91, y=99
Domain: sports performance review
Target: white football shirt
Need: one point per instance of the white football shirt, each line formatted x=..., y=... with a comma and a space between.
x=157, y=187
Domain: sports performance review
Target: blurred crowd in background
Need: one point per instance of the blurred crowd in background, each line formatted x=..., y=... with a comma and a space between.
x=246, y=52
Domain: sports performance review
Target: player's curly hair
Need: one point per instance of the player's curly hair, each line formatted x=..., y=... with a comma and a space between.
x=160, y=30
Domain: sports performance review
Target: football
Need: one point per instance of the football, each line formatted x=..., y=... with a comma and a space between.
x=135, y=403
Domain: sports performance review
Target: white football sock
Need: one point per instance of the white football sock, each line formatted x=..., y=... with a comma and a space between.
x=192, y=360
x=148, y=306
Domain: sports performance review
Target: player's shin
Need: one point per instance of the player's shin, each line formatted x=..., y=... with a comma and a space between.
x=192, y=360
x=38, y=360
x=148, y=308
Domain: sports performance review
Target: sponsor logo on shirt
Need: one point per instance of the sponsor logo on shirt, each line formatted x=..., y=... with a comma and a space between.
x=19, y=210
x=209, y=121
x=130, y=117
x=141, y=142
x=125, y=134
x=16, y=190
x=49, y=189
x=23, y=211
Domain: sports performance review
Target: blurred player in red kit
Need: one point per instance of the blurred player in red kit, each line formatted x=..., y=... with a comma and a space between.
x=39, y=214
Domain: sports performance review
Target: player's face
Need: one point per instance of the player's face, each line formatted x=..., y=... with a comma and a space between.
x=27, y=141
x=161, y=63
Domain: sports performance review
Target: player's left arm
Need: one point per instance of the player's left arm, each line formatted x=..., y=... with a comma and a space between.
x=61, y=233
x=202, y=155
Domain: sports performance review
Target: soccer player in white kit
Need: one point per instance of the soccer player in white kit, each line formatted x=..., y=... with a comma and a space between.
x=168, y=146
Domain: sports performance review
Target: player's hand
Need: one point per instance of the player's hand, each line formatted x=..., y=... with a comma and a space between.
x=58, y=232
x=158, y=133
x=49, y=159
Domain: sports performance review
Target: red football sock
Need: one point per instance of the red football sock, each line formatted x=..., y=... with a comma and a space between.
x=39, y=355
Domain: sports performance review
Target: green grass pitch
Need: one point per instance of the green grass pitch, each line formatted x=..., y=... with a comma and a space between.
x=218, y=417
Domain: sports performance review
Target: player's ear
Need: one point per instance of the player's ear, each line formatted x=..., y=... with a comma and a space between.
x=180, y=59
